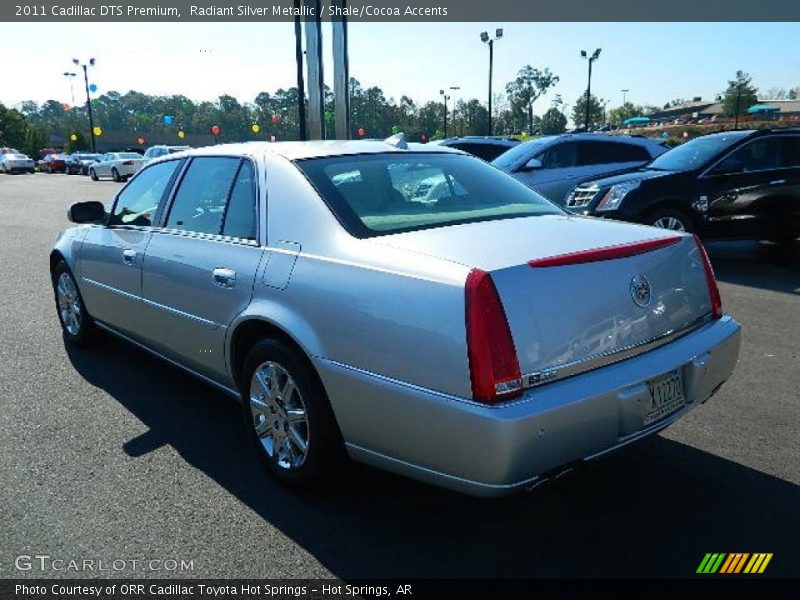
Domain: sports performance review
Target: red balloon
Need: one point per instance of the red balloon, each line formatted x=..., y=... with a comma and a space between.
x=140, y=141
x=275, y=119
x=361, y=132
x=215, y=130
x=423, y=138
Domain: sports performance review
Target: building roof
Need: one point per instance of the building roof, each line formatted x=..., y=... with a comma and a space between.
x=682, y=109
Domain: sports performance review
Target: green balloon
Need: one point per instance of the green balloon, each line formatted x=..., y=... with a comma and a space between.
x=185, y=104
x=395, y=129
x=328, y=116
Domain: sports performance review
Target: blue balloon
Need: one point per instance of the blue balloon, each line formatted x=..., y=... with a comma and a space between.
x=92, y=87
x=665, y=135
x=168, y=119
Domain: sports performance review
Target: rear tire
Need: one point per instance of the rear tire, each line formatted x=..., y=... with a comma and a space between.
x=115, y=175
x=672, y=219
x=93, y=175
x=287, y=416
x=78, y=327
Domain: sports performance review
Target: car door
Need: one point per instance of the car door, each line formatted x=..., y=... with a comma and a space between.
x=199, y=268
x=746, y=189
x=110, y=263
x=562, y=165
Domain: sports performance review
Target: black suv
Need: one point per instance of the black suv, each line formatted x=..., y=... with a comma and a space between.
x=734, y=184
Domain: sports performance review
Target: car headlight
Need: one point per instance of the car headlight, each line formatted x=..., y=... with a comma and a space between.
x=614, y=197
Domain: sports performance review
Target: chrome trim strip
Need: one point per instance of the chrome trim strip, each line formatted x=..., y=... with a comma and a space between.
x=168, y=309
x=557, y=373
x=174, y=363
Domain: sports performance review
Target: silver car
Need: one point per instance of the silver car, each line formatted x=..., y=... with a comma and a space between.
x=484, y=341
x=117, y=165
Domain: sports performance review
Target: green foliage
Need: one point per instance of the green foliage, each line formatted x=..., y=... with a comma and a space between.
x=13, y=127
x=626, y=111
x=81, y=143
x=740, y=95
x=579, y=111
x=528, y=87
x=35, y=140
x=553, y=121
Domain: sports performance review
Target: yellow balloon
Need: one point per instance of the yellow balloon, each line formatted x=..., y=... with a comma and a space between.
x=73, y=137
x=256, y=128
x=181, y=134
x=98, y=131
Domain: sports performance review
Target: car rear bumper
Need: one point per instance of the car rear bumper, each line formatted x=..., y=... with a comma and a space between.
x=455, y=443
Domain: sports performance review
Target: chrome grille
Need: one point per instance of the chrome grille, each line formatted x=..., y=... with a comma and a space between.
x=582, y=196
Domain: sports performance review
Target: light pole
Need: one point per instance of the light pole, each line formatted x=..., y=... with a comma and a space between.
x=591, y=59
x=445, y=97
x=85, y=67
x=624, y=92
x=455, y=88
x=70, y=77
x=487, y=40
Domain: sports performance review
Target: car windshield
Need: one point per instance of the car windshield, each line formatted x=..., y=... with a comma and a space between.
x=696, y=153
x=520, y=151
x=375, y=194
x=129, y=155
x=87, y=156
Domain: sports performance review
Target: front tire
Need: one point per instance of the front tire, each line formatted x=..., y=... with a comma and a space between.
x=77, y=325
x=287, y=416
x=672, y=219
x=93, y=175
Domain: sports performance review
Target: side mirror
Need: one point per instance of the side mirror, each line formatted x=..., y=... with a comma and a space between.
x=532, y=165
x=86, y=212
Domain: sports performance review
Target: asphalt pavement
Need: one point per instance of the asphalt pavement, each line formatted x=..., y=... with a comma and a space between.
x=108, y=454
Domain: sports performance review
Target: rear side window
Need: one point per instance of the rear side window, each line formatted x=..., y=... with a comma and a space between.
x=375, y=194
x=791, y=151
x=199, y=204
x=139, y=202
x=240, y=216
x=596, y=153
x=561, y=156
x=758, y=155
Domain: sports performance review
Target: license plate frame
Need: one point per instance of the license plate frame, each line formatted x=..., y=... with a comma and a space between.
x=666, y=396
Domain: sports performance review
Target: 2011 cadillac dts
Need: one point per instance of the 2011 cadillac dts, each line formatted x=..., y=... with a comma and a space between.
x=481, y=339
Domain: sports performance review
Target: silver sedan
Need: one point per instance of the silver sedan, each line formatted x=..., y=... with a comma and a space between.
x=481, y=340
x=119, y=166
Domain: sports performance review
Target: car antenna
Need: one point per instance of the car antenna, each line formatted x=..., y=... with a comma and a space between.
x=398, y=141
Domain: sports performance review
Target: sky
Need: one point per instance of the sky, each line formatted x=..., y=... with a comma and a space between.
x=657, y=62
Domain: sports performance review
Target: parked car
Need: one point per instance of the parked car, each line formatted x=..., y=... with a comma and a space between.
x=54, y=163
x=554, y=165
x=450, y=341
x=12, y=160
x=117, y=165
x=158, y=151
x=78, y=163
x=735, y=184
x=484, y=147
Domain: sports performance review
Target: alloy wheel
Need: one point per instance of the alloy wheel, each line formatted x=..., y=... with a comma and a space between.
x=69, y=304
x=669, y=223
x=279, y=415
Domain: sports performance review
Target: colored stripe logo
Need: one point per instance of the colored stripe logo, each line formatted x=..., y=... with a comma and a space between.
x=735, y=562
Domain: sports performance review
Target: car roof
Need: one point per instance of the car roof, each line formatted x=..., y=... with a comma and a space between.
x=316, y=149
x=488, y=139
x=604, y=137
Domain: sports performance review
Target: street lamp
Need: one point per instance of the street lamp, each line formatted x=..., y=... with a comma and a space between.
x=591, y=59
x=487, y=40
x=623, y=96
x=456, y=88
x=70, y=77
x=85, y=67
x=445, y=97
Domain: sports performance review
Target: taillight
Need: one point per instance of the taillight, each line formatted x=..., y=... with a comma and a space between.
x=127, y=162
x=711, y=281
x=493, y=364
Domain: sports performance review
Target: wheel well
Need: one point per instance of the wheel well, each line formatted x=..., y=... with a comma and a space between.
x=673, y=203
x=55, y=258
x=252, y=331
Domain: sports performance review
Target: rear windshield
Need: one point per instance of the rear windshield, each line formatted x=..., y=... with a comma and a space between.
x=375, y=194
x=129, y=155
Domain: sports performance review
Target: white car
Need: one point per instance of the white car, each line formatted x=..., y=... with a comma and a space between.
x=13, y=160
x=117, y=165
x=157, y=151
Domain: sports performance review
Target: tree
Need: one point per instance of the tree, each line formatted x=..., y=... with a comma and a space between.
x=626, y=111
x=740, y=95
x=579, y=111
x=13, y=127
x=528, y=87
x=553, y=121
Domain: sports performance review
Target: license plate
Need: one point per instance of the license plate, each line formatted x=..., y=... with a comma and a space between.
x=666, y=396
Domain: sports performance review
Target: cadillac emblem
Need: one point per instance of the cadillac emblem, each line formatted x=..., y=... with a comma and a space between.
x=640, y=291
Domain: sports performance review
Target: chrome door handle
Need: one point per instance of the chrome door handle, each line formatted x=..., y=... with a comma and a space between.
x=224, y=277
x=777, y=182
x=128, y=256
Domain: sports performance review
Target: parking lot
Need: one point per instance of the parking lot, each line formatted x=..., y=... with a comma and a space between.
x=110, y=454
